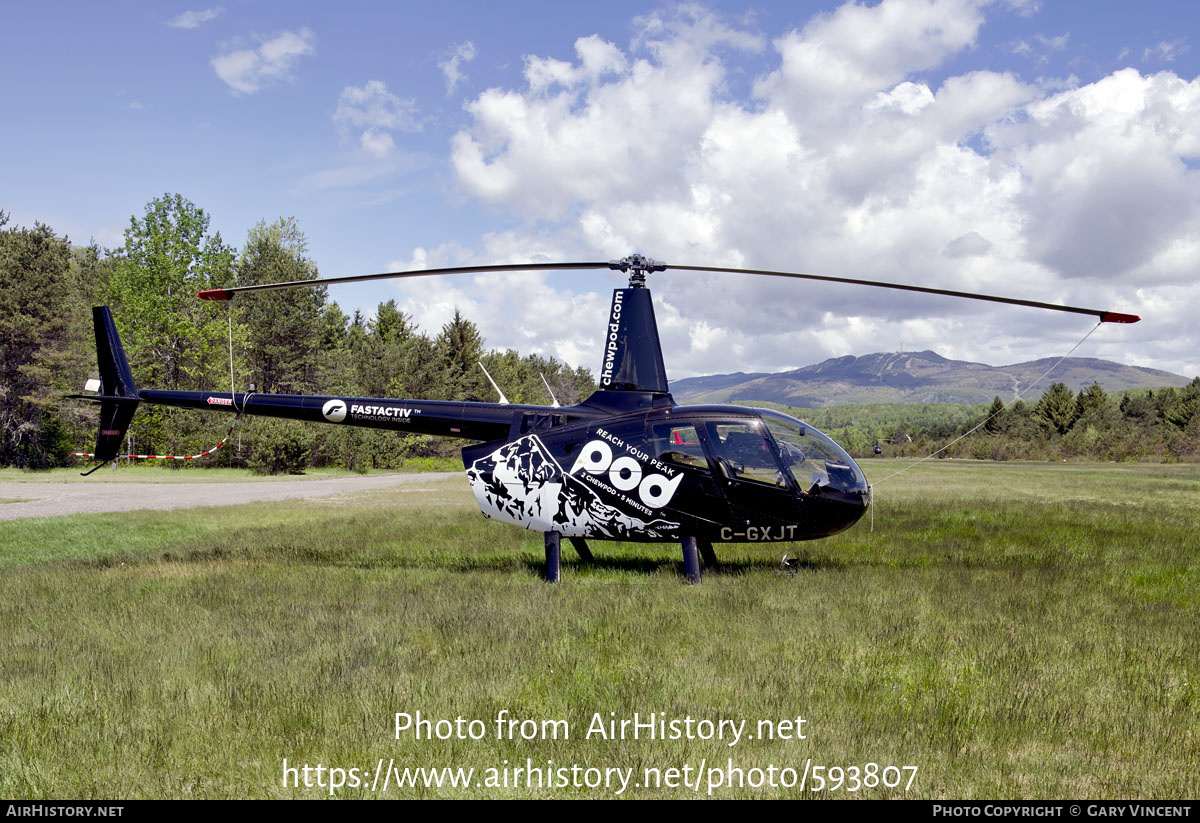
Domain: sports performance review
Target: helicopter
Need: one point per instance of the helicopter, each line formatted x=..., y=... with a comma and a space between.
x=626, y=464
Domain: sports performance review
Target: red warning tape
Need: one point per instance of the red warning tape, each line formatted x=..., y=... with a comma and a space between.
x=167, y=456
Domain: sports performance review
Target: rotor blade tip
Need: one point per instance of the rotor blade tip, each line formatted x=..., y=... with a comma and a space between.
x=214, y=294
x=1117, y=317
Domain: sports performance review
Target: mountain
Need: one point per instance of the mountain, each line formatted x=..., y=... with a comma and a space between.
x=913, y=377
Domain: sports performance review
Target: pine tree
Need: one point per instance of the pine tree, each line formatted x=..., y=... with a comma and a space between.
x=459, y=348
x=1057, y=408
x=995, y=417
x=282, y=330
x=390, y=325
x=1093, y=400
x=39, y=355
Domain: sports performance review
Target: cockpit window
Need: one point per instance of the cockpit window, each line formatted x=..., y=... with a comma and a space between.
x=678, y=444
x=746, y=451
x=814, y=460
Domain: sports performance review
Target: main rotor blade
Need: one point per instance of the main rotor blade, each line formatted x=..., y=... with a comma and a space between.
x=638, y=263
x=1105, y=316
x=228, y=293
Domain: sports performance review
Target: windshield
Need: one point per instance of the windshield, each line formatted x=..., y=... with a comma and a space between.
x=814, y=460
x=746, y=451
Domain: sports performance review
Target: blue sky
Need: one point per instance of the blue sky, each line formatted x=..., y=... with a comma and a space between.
x=1045, y=150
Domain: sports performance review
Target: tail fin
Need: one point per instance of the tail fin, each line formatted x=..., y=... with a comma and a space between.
x=632, y=354
x=118, y=397
x=115, y=378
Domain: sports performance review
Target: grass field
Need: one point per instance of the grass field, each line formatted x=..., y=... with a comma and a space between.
x=1013, y=630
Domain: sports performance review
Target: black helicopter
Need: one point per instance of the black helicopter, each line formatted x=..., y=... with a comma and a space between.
x=626, y=464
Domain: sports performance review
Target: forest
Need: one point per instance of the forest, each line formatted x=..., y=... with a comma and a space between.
x=1159, y=425
x=283, y=342
x=300, y=342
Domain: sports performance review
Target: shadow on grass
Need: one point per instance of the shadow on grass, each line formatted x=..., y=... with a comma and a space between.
x=652, y=565
x=525, y=560
x=516, y=561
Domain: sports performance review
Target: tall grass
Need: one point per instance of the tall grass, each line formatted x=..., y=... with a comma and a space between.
x=1013, y=630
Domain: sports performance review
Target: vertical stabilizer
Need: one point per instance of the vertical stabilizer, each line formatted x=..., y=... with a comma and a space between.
x=116, y=380
x=119, y=397
x=632, y=353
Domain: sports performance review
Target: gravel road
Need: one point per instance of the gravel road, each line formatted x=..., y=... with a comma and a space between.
x=55, y=499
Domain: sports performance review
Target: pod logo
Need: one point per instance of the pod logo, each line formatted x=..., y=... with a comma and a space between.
x=626, y=474
x=334, y=410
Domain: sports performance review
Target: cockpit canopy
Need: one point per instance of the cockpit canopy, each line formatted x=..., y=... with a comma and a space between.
x=772, y=449
x=814, y=459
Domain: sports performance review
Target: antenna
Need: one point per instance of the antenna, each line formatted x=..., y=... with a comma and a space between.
x=552, y=397
x=503, y=399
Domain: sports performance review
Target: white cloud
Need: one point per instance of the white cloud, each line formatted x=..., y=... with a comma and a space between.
x=1106, y=188
x=1058, y=43
x=195, y=19
x=372, y=106
x=597, y=57
x=377, y=161
x=248, y=70
x=577, y=134
x=1023, y=48
x=1165, y=52
x=971, y=244
x=522, y=310
x=848, y=162
x=377, y=143
x=451, y=65
x=858, y=50
x=377, y=112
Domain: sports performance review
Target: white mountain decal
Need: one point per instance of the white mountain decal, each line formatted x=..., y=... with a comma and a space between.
x=521, y=483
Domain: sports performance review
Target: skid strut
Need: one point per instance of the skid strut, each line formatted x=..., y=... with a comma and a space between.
x=581, y=547
x=691, y=560
x=553, y=557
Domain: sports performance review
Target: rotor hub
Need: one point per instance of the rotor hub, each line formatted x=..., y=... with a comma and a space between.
x=638, y=266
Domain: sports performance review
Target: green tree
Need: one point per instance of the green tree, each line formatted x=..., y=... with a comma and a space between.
x=459, y=348
x=40, y=345
x=1189, y=402
x=520, y=378
x=280, y=446
x=93, y=272
x=1057, y=408
x=1091, y=401
x=995, y=417
x=1177, y=406
x=390, y=325
x=333, y=327
x=173, y=340
x=402, y=366
x=1139, y=408
x=283, y=330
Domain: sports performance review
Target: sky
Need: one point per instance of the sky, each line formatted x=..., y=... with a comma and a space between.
x=1041, y=150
